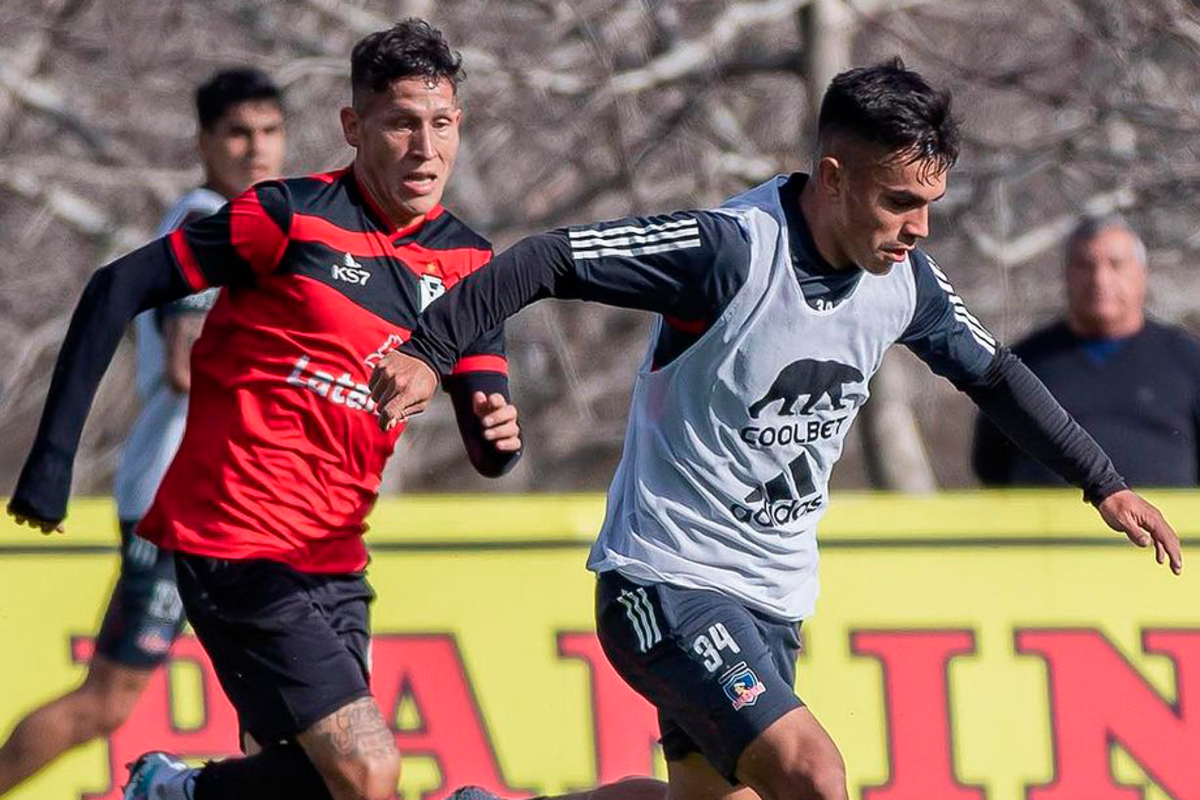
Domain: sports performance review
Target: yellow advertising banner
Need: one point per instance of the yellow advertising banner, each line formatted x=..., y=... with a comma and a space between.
x=966, y=647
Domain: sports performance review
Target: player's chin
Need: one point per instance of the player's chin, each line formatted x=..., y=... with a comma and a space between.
x=422, y=204
x=880, y=265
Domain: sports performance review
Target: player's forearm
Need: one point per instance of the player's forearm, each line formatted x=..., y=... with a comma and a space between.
x=1025, y=411
x=534, y=268
x=487, y=460
x=143, y=279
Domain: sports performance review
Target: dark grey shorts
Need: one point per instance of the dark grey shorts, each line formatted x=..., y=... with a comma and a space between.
x=719, y=673
x=144, y=616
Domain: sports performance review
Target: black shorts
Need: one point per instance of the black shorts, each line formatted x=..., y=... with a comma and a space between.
x=719, y=673
x=144, y=616
x=288, y=647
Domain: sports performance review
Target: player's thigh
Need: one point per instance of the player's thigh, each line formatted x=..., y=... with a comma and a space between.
x=702, y=659
x=276, y=652
x=795, y=758
x=354, y=749
x=693, y=778
x=144, y=615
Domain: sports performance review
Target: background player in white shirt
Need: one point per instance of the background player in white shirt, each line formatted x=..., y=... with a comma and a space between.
x=240, y=142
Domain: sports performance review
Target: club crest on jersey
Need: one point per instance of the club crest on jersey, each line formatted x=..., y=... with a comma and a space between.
x=350, y=271
x=742, y=686
x=432, y=288
x=393, y=341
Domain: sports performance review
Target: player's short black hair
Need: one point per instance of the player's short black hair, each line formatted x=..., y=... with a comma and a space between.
x=890, y=105
x=230, y=87
x=411, y=48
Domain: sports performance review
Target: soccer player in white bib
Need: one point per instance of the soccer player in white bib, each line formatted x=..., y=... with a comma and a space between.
x=774, y=310
x=241, y=142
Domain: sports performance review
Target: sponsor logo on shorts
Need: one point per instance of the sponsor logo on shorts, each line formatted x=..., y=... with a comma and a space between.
x=742, y=686
x=154, y=643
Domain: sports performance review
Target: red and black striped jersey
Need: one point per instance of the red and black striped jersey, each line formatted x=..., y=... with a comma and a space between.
x=282, y=457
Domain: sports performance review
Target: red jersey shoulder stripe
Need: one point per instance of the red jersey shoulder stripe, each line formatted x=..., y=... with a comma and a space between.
x=329, y=177
x=692, y=326
x=187, y=261
x=254, y=235
x=311, y=228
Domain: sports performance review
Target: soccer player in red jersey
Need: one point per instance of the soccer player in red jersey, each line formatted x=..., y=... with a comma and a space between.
x=281, y=459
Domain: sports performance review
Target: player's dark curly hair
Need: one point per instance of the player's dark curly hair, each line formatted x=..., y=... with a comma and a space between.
x=890, y=105
x=230, y=87
x=409, y=49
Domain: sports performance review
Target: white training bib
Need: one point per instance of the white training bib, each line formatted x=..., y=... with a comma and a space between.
x=729, y=448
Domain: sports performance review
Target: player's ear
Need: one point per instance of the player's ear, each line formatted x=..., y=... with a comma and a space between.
x=205, y=146
x=830, y=174
x=203, y=142
x=350, y=126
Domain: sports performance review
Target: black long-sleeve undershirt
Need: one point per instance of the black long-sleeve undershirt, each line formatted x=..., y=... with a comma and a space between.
x=115, y=294
x=487, y=460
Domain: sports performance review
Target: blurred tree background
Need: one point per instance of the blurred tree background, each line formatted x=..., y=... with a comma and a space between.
x=580, y=110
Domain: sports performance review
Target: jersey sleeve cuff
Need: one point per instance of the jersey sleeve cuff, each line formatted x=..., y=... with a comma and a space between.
x=1100, y=491
x=480, y=363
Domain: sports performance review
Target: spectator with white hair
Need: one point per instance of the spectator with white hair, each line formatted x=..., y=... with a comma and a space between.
x=1130, y=381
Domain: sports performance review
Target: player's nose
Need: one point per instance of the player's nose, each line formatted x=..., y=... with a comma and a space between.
x=423, y=144
x=917, y=223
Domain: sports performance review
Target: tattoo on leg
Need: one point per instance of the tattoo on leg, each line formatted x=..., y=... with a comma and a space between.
x=357, y=730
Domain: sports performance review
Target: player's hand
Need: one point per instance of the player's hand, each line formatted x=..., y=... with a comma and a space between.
x=1144, y=524
x=47, y=527
x=499, y=420
x=401, y=386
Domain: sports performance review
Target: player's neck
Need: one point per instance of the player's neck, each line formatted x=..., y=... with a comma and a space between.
x=821, y=228
x=1086, y=328
x=228, y=192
